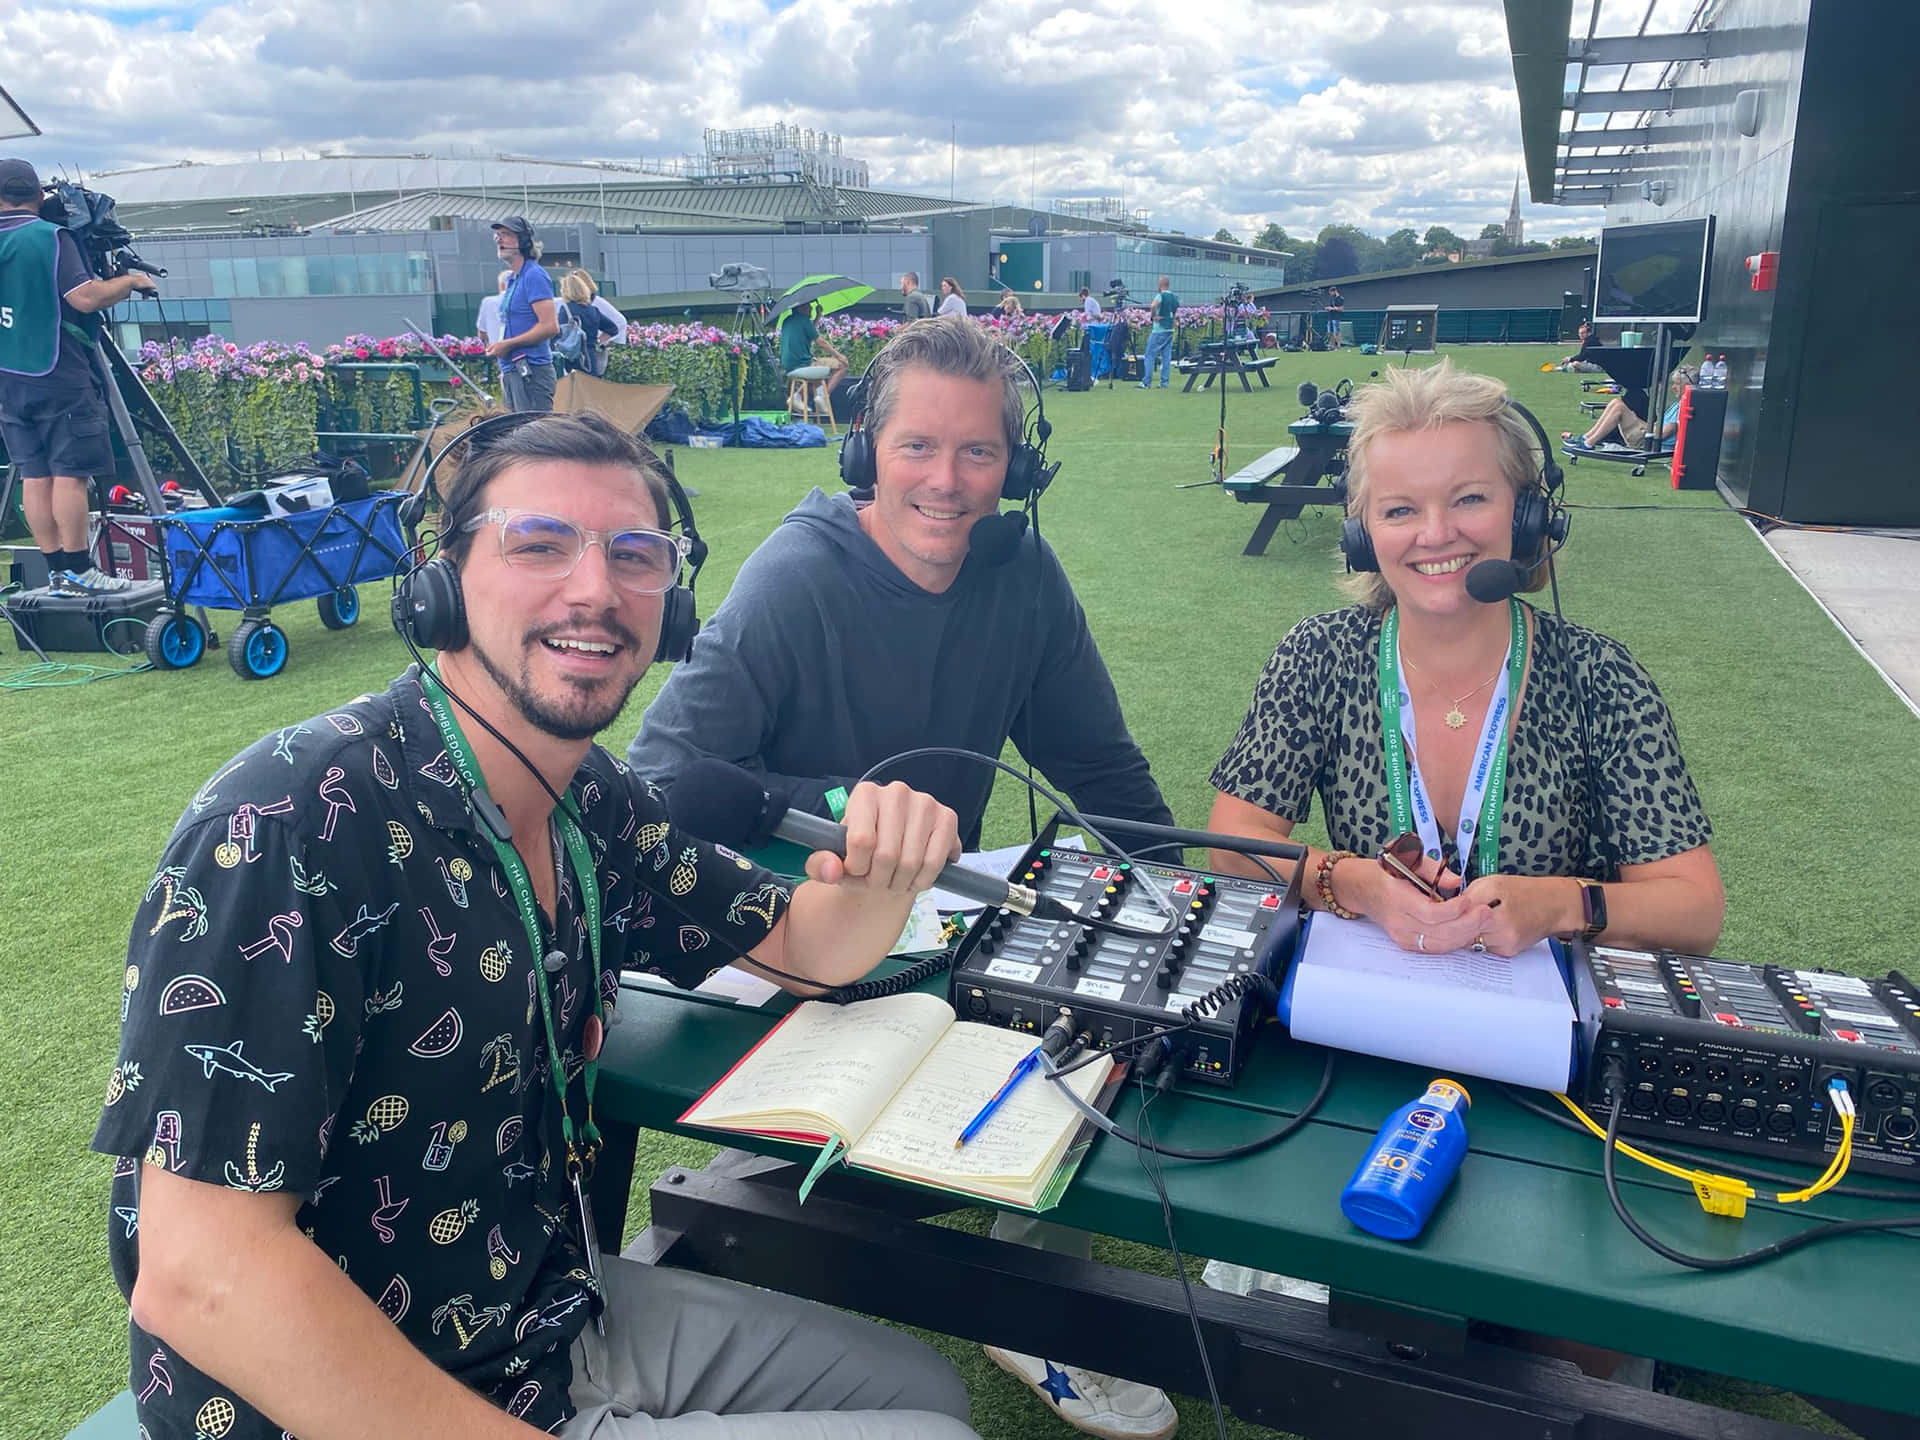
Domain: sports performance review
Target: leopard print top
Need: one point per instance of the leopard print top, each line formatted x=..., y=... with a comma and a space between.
x=1315, y=726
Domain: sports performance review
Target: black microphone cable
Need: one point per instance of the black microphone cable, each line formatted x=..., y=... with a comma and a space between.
x=1167, y=1074
x=1160, y=899
x=1738, y=1169
x=1148, y=1155
x=1826, y=1230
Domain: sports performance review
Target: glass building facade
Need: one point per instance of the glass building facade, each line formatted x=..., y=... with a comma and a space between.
x=263, y=276
x=1199, y=273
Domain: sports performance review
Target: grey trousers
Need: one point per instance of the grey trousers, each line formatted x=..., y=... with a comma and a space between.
x=533, y=391
x=689, y=1357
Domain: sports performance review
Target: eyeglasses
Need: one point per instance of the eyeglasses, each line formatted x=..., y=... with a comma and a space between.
x=1402, y=857
x=546, y=547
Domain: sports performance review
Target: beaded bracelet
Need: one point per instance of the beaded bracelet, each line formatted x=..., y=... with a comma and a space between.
x=1323, y=883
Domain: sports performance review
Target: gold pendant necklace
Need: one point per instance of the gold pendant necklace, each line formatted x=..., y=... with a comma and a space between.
x=1456, y=718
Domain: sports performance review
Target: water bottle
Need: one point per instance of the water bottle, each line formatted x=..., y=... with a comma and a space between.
x=1410, y=1165
x=1709, y=374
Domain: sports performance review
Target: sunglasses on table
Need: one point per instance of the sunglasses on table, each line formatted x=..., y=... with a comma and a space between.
x=1402, y=857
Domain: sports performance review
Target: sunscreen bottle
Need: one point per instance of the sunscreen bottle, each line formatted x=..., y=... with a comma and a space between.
x=1410, y=1165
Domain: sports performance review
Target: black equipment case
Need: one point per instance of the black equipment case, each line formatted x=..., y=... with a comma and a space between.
x=115, y=622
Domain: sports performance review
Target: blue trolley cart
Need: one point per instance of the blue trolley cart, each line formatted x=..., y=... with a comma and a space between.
x=234, y=560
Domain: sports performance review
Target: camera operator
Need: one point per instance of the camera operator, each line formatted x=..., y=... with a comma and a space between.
x=529, y=320
x=53, y=415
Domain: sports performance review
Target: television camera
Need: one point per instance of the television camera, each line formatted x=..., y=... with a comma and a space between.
x=738, y=275
x=1115, y=295
x=105, y=244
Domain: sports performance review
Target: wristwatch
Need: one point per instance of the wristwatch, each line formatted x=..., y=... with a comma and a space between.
x=1593, y=906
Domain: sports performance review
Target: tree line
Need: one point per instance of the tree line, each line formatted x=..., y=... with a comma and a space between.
x=1340, y=250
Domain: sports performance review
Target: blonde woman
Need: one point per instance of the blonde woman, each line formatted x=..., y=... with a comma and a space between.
x=577, y=289
x=1381, y=709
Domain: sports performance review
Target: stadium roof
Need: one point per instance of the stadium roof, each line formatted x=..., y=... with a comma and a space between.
x=409, y=192
x=1602, y=111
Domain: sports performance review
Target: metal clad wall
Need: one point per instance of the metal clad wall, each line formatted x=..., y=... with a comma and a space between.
x=1847, y=251
x=1812, y=388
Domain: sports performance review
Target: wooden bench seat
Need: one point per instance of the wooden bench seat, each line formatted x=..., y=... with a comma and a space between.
x=1252, y=477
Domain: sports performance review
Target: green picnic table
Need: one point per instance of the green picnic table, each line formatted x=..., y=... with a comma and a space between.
x=1525, y=1240
x=1289, y=479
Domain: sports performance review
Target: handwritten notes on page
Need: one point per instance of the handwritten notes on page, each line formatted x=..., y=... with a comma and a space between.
x=1015, y=1152
x=1503, y=1018
x=826, y=1069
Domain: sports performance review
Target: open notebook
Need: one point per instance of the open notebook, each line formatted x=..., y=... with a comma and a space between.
x=895, y=1080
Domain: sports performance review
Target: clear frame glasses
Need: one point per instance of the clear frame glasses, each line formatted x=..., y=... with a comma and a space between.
x=546, y=547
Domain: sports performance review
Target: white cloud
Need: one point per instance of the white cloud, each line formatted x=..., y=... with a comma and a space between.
x=1379, y=114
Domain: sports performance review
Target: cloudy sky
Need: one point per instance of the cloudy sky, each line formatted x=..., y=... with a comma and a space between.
x=1376, y=114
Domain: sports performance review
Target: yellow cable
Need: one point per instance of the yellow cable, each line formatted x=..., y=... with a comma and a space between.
x=1842, y=1158
x=1692, y=1177
x=1727, y=1194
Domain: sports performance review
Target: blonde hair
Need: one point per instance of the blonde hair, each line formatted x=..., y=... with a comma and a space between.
x=1422, y=399
x=576, y=287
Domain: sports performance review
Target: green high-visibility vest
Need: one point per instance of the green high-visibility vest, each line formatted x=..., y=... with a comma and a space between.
x=29, y=298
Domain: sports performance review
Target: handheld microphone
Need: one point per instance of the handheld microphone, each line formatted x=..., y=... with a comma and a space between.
x=995, y=539
x=726, y=805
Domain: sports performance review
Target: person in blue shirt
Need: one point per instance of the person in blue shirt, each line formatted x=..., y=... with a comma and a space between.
x=1619, y=427
x=1165, y=306
x=529, y=320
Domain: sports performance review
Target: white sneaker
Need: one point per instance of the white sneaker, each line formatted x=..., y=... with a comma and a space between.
x=1093, y=1404
x=95, y=581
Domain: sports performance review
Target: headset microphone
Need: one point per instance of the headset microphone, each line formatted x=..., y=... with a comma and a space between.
x=995, y=539
x=1492, y=581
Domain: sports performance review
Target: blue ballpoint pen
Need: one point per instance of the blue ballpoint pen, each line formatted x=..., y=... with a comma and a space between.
x=1020, y=1072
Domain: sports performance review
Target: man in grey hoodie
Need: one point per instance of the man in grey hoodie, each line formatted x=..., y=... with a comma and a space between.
x=857, y=631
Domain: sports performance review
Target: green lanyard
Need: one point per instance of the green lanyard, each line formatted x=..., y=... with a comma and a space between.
x=461, y=754
x=1406, y=792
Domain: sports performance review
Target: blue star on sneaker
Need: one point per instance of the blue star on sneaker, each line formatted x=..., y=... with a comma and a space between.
x=1057, y=1384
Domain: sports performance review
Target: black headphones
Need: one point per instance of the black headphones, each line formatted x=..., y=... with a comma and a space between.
x=430, y=609
x=1028, y=473
x=1539, y=520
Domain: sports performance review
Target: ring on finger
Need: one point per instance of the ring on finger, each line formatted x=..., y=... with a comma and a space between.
x=1479, y=946
x=1421, y=940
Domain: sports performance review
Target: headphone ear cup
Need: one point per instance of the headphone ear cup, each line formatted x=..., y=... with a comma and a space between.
x=856, y=459
x=1531, y=511
x=1023, y=472
x=1357, y=545
x=429, y=608
x=679, y=623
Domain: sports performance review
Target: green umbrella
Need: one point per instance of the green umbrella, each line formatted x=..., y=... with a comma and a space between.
x=834, y=292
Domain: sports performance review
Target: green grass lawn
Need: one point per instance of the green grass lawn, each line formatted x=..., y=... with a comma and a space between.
x=1803, y=757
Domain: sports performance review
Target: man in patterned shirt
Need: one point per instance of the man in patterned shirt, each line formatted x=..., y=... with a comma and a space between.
x=344, y=1203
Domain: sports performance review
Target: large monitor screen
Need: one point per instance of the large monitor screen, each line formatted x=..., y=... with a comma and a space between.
x=1654, y=274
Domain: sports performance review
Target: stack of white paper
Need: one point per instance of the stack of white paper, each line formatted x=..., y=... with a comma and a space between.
x=1459, y=1012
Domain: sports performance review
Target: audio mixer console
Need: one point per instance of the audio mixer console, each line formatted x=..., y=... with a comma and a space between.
x=1019, y=971
x=1739, y=1057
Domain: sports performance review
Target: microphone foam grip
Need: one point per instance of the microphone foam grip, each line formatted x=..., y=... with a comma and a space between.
x=721, y=803
x=1306, y=392
x=995, y=539
x=1492, y=581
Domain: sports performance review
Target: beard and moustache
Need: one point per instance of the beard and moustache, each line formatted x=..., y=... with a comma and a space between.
x=585, y=707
